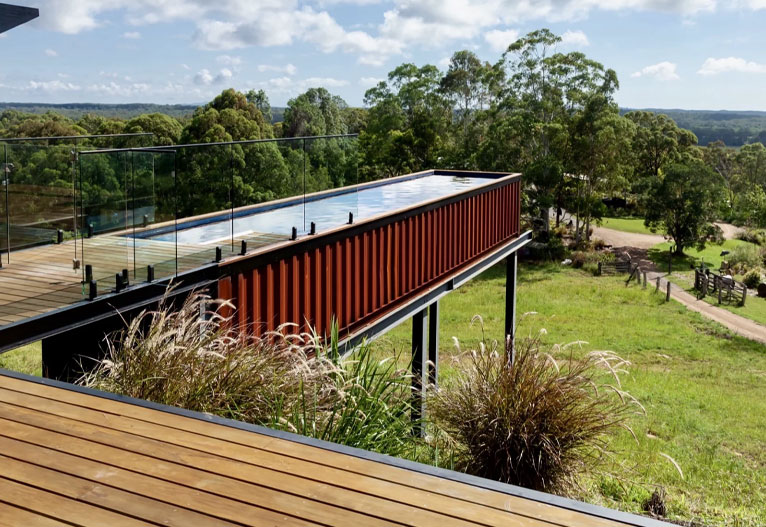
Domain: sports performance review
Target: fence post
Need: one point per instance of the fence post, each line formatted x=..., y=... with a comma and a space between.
x=658, y=285
x=599, y=269
x=719, y=292
x=667, y=295
x=644, y=279
x=744, y=295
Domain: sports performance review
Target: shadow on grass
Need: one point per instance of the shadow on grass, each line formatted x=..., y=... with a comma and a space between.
x=528, y=272
x=659, y=255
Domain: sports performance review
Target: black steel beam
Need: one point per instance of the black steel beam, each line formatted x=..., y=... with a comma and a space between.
x=510, y=300
x=433, y=343
x=15, y=15
x=419, y=367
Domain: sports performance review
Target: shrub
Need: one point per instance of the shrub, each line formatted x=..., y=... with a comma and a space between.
x=745, y=257
x=598, y=244
x=756, y=236
x=536, y=422
x=287, y=382
x=752, y=278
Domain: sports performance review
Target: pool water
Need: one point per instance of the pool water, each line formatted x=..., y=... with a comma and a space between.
x=326, y=213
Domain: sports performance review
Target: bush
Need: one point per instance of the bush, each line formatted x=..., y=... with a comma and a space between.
x=752, y=278
x=598, y=244
x=745, y=257
x=537, y=422
x=756, y=236
x=287, y=382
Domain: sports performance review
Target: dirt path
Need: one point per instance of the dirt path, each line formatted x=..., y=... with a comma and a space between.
x=627, y=239
x=636, y=246
x=740, y=325
x=729, y=231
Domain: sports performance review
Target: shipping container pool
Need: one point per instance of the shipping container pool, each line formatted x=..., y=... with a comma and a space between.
x=326, y=210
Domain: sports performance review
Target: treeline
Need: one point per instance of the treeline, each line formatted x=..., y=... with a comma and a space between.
x=547, y=114
x=120, y=111
x=732, y=128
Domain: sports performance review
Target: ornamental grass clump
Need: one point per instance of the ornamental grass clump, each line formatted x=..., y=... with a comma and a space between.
x=537, y=422
x=190, y=358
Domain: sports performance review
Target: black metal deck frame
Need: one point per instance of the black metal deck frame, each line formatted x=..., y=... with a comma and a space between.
x=15, y=15
x=449, y=475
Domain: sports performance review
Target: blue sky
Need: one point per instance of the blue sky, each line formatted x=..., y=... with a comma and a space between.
x=694, y=54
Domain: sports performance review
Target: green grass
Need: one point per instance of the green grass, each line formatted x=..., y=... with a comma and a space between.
x=704, y=389
x=635, y=225
x=27, y=359
x=711, y=255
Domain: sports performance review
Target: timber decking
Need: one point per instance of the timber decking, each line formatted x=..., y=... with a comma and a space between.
x=42, y=279
x=70, y=456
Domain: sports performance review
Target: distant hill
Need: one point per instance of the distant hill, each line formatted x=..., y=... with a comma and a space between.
x=122, y=111
x=733, y=128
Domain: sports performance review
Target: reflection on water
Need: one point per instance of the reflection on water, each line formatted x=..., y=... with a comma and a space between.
x=329, y=212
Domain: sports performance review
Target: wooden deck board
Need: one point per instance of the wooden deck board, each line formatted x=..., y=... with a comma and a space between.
x=98, y=457
x=42, y=279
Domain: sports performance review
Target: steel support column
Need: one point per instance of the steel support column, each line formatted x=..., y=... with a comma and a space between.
x=510, y=302
x=433, y=343
x=419, y=343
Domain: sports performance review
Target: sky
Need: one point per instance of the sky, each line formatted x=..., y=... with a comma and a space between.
x=690, y=54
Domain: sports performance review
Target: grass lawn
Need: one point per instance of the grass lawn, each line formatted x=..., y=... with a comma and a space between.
x=626, y=225
x=754, y=308
x=27, y=359
x=704, y=389
x=711, y=255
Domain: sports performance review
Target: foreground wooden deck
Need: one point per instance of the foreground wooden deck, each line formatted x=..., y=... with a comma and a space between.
x=42, y=279
x=70, y=456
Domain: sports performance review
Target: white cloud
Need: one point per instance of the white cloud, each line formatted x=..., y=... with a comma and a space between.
x=131, y=35
x=51, y=52
x=663, y=71
x=500, y=40
x=228, y=60
x=122, y=90
x=713, y=66
x=53, y=86
x=205, y=78
x=185, y=66
x=235, y=24
x=324, y=82
x=575, y=38
x=369, y=82
x=287, y=68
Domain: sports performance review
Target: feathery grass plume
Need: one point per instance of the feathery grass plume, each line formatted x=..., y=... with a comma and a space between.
x=190, y=357
x=537, y=422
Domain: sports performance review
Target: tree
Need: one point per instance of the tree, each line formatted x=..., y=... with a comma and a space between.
x=316, y=112
x=228, y=117
x=684, y=203
x=601, y=141
x=167, y=130
x=261, y=101
x=722, y=160
x=657, y=142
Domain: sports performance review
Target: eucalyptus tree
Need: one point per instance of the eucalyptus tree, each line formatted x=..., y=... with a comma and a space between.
x=409, y=119
x=548, y=97
x=684, y=203
x=658, y=141
x=315, y=112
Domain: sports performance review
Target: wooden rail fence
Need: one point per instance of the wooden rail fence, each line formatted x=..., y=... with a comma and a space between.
x=728, y=290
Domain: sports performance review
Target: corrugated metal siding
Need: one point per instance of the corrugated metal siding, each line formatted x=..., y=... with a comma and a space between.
x=357, y=278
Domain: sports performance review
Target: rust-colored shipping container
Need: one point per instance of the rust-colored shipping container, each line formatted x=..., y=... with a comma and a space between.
x=357, y=273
